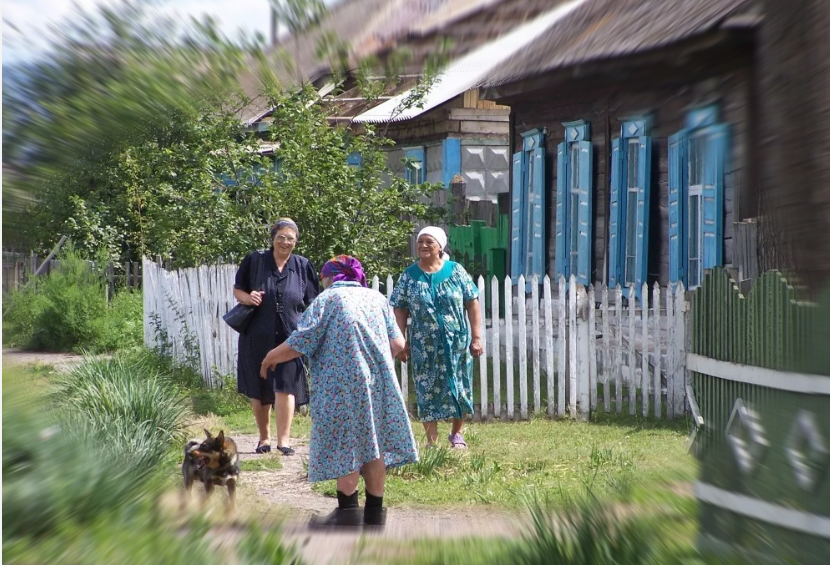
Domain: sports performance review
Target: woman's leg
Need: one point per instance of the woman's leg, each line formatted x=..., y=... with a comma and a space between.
x=284, y=407
x=457, y=424
x=262, y=416
x=374, y=475
x=348, y=485
x=431, y=429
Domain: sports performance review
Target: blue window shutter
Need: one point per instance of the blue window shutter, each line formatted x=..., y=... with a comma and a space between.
x=517, y=251
x=585, y=213
x=561, y=260
x=451, y=160
x=616, y=216
x=537, y=200
x=715, y=149
x=416, y=155
x=677, y=207
x=355, y=159
x=643, y=204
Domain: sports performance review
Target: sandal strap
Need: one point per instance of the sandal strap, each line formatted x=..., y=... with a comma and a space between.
x=285, y=450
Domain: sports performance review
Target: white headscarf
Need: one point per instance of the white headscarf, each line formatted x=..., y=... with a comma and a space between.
x=438, y=235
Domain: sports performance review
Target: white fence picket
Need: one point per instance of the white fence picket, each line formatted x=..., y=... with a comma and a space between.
x=522, y=346
x=482, y=364
x=494, y=348
x=549, y=343
x=562, y=350
x=537, y=369
x=187, y=306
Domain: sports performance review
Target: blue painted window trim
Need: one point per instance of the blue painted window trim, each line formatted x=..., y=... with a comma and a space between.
x=415, y=170
x=450, y=160
x=697, y=164
x=574, y=203
x=629, y=183
x=528, y=254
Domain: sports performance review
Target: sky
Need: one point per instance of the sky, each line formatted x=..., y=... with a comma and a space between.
x=32, y=17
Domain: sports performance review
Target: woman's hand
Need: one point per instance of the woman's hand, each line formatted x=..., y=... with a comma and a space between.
x=404, y=354
x=476, y=349
x=255, y=298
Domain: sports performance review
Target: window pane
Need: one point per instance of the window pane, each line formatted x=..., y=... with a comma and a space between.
x=633, y=162
x=630, y=236
x=529, y=216
x=574, y=166
x=694, y=241
x=695, y=161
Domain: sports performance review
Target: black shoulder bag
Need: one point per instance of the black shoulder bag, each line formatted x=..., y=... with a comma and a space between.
x=239, y=317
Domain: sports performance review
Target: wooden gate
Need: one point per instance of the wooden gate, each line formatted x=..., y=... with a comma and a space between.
x=760, y=378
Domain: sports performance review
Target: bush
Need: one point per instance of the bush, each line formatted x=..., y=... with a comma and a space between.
x=67, y=311
x=122, y=325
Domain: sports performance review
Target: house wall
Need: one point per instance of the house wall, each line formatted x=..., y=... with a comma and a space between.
x=604, y=104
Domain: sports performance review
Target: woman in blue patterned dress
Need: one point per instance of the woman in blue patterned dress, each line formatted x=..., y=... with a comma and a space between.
x=359, y=422
x=439, y=296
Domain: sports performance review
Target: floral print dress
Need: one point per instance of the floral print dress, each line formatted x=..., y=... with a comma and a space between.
x=357, y=410
x=439, y=338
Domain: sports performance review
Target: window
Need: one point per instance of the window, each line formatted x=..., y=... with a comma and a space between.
x=527, y=236
x=574, y=195
x=696, y=168
x=415, y=168
x=628, y=215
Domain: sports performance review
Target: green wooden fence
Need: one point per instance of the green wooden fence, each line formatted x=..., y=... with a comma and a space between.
x=760, y=374
x=482, y=250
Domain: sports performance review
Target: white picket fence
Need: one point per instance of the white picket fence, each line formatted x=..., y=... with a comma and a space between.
x=612, y=354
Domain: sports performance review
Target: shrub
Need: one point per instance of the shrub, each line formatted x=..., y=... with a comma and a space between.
x=121, y=326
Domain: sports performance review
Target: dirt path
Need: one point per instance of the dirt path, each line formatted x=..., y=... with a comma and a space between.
x=61, y=361
x=288, y=488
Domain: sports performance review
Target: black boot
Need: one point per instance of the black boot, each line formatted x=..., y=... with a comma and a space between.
x=374, y=514
x=347, y=513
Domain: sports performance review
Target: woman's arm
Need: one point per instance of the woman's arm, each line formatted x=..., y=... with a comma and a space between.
x=398, y=345
x=280, y=354
x=253, y=298
x=401, y=317
x=474, y=314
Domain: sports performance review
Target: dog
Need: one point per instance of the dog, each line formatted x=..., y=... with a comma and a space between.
x=213, y=461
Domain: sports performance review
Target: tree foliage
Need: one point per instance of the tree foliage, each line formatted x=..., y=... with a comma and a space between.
x=128, y=141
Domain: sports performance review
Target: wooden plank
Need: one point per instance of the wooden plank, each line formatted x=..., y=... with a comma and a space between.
x=682, y=379
x=522, y=346
x=572, y=346
x=479, y=114
x=376, y=283
x=618, y=315
x=508, y=343
x=658, y=384
x=632, y=362
x=606, y=353
x=562, y=349
x=495, y=347
x=482, y=363
x=546, y=294
x=644, y=384
x=592, y=348
x=671, y=353
x=537, y=368
x=749, y=374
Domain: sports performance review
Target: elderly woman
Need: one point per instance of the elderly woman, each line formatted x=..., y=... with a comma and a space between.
x=438, y=295
x=359, y=423
x=281, y=285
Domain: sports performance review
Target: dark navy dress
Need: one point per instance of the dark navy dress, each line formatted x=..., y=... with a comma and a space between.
x=287, y=294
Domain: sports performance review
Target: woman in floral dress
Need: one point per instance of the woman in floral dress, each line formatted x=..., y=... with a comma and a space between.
x=359, y=420
x=439, y=297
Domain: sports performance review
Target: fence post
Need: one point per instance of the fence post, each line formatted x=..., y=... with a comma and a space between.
x=508, y=343
x=572, y=346
x=644, y=383
x=496, y=324
x=521, y=288
x=548, y=343
x=618, y=377
x=562, y=350
x=537, y=369
x=680, y=360
x=632, y=363
x=658, y=358
x=482, y=361
x=606, y=353
x=592, y=347
x=671, y=353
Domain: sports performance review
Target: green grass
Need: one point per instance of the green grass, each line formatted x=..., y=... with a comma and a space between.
x=505, y=460
x=268, y=462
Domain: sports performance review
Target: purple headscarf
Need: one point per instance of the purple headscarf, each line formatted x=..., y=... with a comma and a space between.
x=344, y=268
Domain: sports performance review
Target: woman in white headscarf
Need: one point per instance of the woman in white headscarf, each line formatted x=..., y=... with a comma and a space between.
x=439, y=296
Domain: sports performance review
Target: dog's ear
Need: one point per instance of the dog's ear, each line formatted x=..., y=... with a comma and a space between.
x=221, y=437
x=207, y=434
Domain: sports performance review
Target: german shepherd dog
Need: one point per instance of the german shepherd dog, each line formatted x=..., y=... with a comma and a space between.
x=215, y=462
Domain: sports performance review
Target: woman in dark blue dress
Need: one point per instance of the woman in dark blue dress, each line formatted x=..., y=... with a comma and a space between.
x=281, y=285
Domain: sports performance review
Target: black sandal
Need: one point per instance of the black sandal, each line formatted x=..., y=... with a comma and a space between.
x=285, y=450
x=260, y=449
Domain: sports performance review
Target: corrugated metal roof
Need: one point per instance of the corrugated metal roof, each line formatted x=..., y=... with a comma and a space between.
x=601, y=29
x=471, y=69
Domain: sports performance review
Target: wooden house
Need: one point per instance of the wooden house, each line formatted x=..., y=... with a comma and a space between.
x=633, y=133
